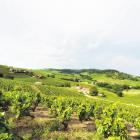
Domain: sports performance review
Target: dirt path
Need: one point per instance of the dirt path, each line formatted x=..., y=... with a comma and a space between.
x=85, y=91
x=133, y=133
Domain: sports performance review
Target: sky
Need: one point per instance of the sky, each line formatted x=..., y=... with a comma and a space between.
x=76, y=34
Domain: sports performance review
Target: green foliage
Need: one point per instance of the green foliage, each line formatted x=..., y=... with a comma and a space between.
x=5, y=133
x=55, y=125
x=110, y=124
x=93, y=91
x=7, y=76
x=85, y=111
x=137, y=123
x=21, y=103
x=20, y=96
x=56, y=82
x=62, y=111
x=1, y=75
x=64, y=118
x=118, y=89
x=6, y=136
x=39, y=131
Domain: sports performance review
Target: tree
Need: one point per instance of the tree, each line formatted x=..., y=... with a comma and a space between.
x=93, y=91
x=1, y=74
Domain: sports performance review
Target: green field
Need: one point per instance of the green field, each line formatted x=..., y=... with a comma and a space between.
x=65, y=104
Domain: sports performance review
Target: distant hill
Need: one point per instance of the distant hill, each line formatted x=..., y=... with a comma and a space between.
x=108, y=72
x=8, y=71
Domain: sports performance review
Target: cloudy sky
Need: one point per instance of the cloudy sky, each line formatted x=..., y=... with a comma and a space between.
x=102, y=34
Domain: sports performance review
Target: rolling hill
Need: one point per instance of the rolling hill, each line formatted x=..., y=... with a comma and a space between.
x=46, y=104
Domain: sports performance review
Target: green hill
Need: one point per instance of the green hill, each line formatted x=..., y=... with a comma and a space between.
x=67, y=104
x=107, y=81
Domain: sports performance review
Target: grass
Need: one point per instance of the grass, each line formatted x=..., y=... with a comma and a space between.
x=132, y=92
x=104, y=78
x=75, y=135
x=38, y=128
x=130, y=96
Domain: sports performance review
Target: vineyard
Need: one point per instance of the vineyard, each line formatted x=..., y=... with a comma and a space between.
x=46, y=105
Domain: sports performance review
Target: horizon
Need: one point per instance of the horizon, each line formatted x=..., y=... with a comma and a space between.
x=71, y=34
x=45, y=68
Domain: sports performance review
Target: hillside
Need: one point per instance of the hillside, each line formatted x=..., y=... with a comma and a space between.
x=113, y=84
x=65, y=104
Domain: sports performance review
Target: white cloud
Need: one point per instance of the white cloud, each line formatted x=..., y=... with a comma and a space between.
x=70, y=33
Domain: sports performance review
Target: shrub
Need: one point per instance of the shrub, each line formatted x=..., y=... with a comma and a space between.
x=85, y=112
x=110, y=124
x=9, y=77
x=1, y=75
x=120, y=93
x=39, y=131
x=93, y=91
x=55, y=126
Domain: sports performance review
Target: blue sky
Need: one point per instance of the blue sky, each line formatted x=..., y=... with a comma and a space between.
x=102, y=34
